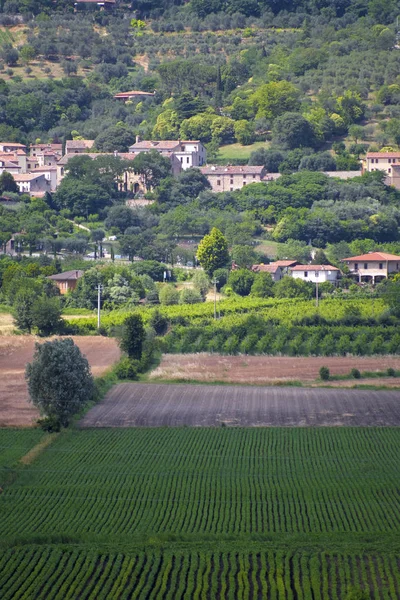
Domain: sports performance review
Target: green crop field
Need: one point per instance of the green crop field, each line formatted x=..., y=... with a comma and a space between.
x=202, y=513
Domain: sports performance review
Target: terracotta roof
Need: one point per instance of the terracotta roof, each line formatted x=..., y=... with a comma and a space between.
x=314, y=268
x=383, y=154
x=79, y=144
x=232, y=170
x=271, y=268
x=285, y=263
x=9, y=164
x=372, y=256
x=44, y=168
x=133, y=93
x=124, y=155
x=12, y=144
x=67, y=275
x=27, y=177
x=158, y=145
x=95, y=2
x=343, y=174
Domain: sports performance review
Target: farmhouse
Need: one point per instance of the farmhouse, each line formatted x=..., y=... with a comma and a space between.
x=315, y=273
x=34, y=184
x=78, y=146
x=372, y=267
x=190, y=153
x=229, y=178
x=388, y=162
x=273, y=268
x=66, y=281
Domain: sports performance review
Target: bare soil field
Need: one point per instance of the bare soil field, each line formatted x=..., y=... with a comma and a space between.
x=267, y=370
x=17, y=351
x=163, y=405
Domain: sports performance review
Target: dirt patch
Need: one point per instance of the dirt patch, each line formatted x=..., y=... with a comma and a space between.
x=163, y=405
x=267, y=370
x=6, y=324
x=17, y=351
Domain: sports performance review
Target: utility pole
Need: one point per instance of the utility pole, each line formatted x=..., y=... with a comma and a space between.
x=316, y=288
x=214, y=282
x=99, y=289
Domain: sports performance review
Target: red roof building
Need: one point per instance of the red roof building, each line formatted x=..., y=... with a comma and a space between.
x=372, y=267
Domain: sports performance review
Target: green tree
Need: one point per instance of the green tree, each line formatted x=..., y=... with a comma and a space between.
x=244, y=132
x=212, y=252
x=292, y=130
x=263, y=286
x=169, y=295
x=23, y=310
x=115, y=138
x=201, y=283
x=293, y=288
x=133, y=336
x=275, y=98
x=59, y=380
x=152, y=166
x=241, y=281
x=7, y=183
x=46, y=315
x=243, y=256
x=190, y=296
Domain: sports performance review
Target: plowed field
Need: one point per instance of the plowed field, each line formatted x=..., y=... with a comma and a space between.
x=161, y=405
x=261, y=370
x=17, y=351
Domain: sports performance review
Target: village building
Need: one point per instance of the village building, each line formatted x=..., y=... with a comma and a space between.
x=78, y=146
x=36, y=149
x=388, y=162
x=274, y=269
x=133, y=95
x=34, y=184
x=66, y=281
x=315, y=273
x=10, y=166
x=229, y=179
x=372, y=267
x=50, y=173
x=11, y=147
x=190, y=153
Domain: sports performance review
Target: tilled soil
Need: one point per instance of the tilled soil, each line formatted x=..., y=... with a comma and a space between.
x=163, y=405
x=17, y=351
x=269, y=369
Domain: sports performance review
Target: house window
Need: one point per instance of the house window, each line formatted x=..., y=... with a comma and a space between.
x=231, y=189
x=254, y=176
x=244, y=183
x=389, y=170
x=181, y=159
x=244, y=176
x=187, y=159
x=305, y=273
x=389, y=160
x=218, y=182
x=231, y=181
x=365, y=265
x=381, y=265
x=356, y=266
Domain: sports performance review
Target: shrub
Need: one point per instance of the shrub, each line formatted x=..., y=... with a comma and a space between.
x=133, y=336
x=391, y=372
x=50, y=424
x=324, y=373
x=168, y=295
x=355, y=373
x=158, y=322
x=127, y=368
x=190, y=296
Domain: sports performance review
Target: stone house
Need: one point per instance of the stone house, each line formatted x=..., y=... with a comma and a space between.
x=229, y=178
x=78, y=146
x=190, y=153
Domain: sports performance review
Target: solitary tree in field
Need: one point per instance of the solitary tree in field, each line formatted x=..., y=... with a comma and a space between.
x=59, y=380
x=133, y=336
x=213, y=251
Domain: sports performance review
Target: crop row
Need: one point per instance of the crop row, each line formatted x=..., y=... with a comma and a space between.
x=60, y=574
x=187, y=482
x=282, y=311
x=255, y=335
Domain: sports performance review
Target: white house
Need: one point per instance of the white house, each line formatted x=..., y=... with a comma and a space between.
x=33, y=184
x=315, y=273
x=190, y=153
x=373, y=267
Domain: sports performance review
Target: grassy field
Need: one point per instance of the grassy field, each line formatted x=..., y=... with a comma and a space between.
x=236, y=151
x=200, y=513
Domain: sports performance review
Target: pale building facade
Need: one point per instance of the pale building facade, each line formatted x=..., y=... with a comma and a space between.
x=229, y=179
x=315, y=273
x=372, y=267
x=190, y=153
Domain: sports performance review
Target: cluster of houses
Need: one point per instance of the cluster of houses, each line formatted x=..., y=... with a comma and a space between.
x=369, y=268
x=43, y=168
x=372, y=268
